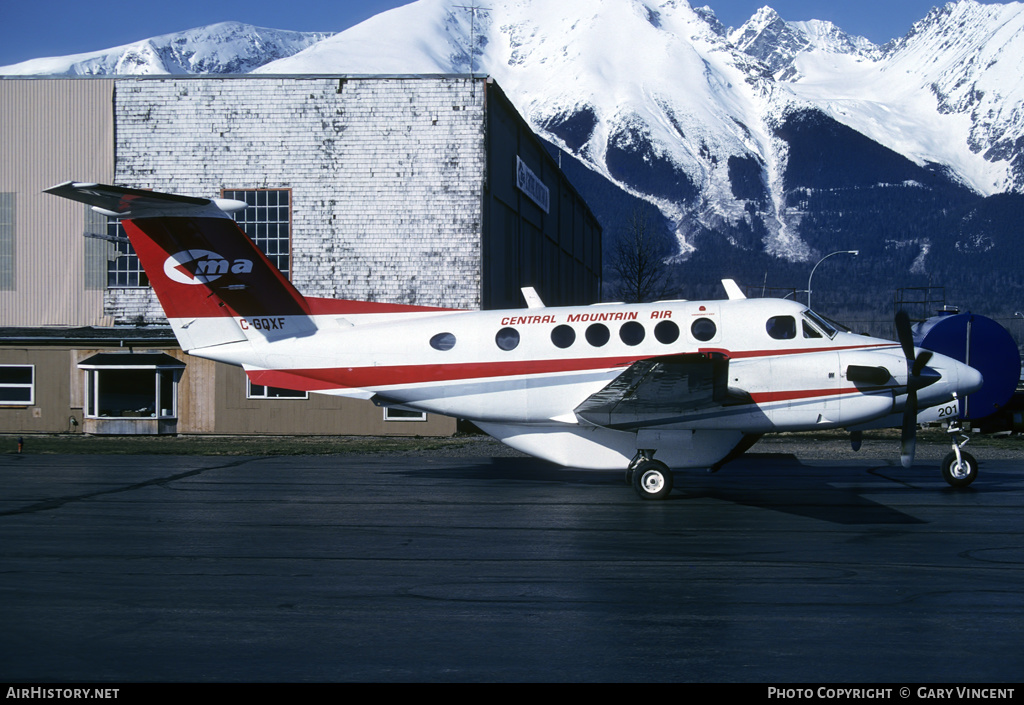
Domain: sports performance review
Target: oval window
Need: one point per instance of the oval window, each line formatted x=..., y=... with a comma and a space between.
x=703, y=329
x=666, y=332
x=507, y=339
x=563, y=336
x=443, y=341
x=598, y=335
x=632, y=333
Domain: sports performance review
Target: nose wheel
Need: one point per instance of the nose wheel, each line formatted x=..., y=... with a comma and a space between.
x=959, y=468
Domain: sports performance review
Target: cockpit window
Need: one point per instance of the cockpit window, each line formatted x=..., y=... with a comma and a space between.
x=820, y=323
x=781, y=327
x=810, y=331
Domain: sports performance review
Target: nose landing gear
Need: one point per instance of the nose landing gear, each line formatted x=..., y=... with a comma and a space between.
x=959, y=468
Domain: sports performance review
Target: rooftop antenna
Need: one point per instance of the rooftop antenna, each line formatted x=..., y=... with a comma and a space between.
x=472, y=10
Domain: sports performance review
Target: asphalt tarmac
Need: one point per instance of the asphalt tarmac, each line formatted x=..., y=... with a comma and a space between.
x=777, y=569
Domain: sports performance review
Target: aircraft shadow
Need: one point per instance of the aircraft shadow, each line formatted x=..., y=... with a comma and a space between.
x=773, y=481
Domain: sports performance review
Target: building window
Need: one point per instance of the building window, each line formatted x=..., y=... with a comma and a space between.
x=259, y=391
x=99, y=251
x=124, y=271
x=131, y=386
x=6, y=242
x=398, y=414
x=268, y=221
x=17, y=385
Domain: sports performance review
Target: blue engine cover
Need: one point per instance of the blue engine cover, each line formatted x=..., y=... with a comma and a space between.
x=984, y=345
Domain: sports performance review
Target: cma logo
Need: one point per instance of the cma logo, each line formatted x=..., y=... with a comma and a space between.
x=202, y=266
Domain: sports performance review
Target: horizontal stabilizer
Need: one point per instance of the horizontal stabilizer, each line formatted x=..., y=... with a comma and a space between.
x=123, y=202
x=215, y=284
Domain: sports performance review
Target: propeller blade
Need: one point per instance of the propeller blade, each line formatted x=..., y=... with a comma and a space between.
x=905, y=335
x=908, y=435
x=920, y=363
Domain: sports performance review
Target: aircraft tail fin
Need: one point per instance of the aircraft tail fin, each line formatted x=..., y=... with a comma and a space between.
x=210, y=278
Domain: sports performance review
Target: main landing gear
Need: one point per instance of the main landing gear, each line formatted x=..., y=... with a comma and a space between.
x=651, y=479
x=959, y=468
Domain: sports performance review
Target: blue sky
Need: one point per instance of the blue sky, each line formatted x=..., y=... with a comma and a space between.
x=31, y=29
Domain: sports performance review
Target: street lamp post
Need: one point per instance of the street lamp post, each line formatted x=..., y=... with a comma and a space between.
x=839, y=252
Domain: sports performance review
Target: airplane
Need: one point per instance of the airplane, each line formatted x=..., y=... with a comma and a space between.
x=605, y=386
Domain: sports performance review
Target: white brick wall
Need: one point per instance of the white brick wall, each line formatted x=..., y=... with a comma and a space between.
x=387, y=174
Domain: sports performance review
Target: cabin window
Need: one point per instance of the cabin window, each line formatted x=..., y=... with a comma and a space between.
x=667, y=332
x=443, y=341
x=781, y=327
x=17, y=385
x=703, y=329
x=632, y=333
x=598, y=334
x=507, y=339
x=563, y=336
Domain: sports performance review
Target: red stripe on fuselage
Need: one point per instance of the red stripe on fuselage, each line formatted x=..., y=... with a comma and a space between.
x=314, y=379
x=792, y=395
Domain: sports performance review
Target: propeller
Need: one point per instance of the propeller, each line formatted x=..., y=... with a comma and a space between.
x=916, y=379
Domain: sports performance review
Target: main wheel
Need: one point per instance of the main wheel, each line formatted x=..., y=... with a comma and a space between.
x=652, y=480
x=959, y=474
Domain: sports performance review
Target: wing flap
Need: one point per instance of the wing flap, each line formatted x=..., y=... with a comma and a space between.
x=661, y=391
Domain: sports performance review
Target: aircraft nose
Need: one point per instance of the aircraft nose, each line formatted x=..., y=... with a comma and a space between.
x=968, y=379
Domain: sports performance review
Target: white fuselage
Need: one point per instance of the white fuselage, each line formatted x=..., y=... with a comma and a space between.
x=522, y=373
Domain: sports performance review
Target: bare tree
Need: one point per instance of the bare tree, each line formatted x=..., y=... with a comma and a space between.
x=639, y=262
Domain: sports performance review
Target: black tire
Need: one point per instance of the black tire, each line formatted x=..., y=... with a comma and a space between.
x=652, y=480
x=959, y=475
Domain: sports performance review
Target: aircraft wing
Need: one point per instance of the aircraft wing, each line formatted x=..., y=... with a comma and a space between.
x=662, y=390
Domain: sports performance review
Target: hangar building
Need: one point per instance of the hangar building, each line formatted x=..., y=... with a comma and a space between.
x=427, y=190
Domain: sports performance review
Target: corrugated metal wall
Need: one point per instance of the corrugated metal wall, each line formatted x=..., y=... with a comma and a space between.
x=52, y=131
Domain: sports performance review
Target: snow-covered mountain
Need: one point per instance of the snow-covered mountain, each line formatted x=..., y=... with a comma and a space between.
x=778, y=140
x=225, y=47
x=693, y=118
